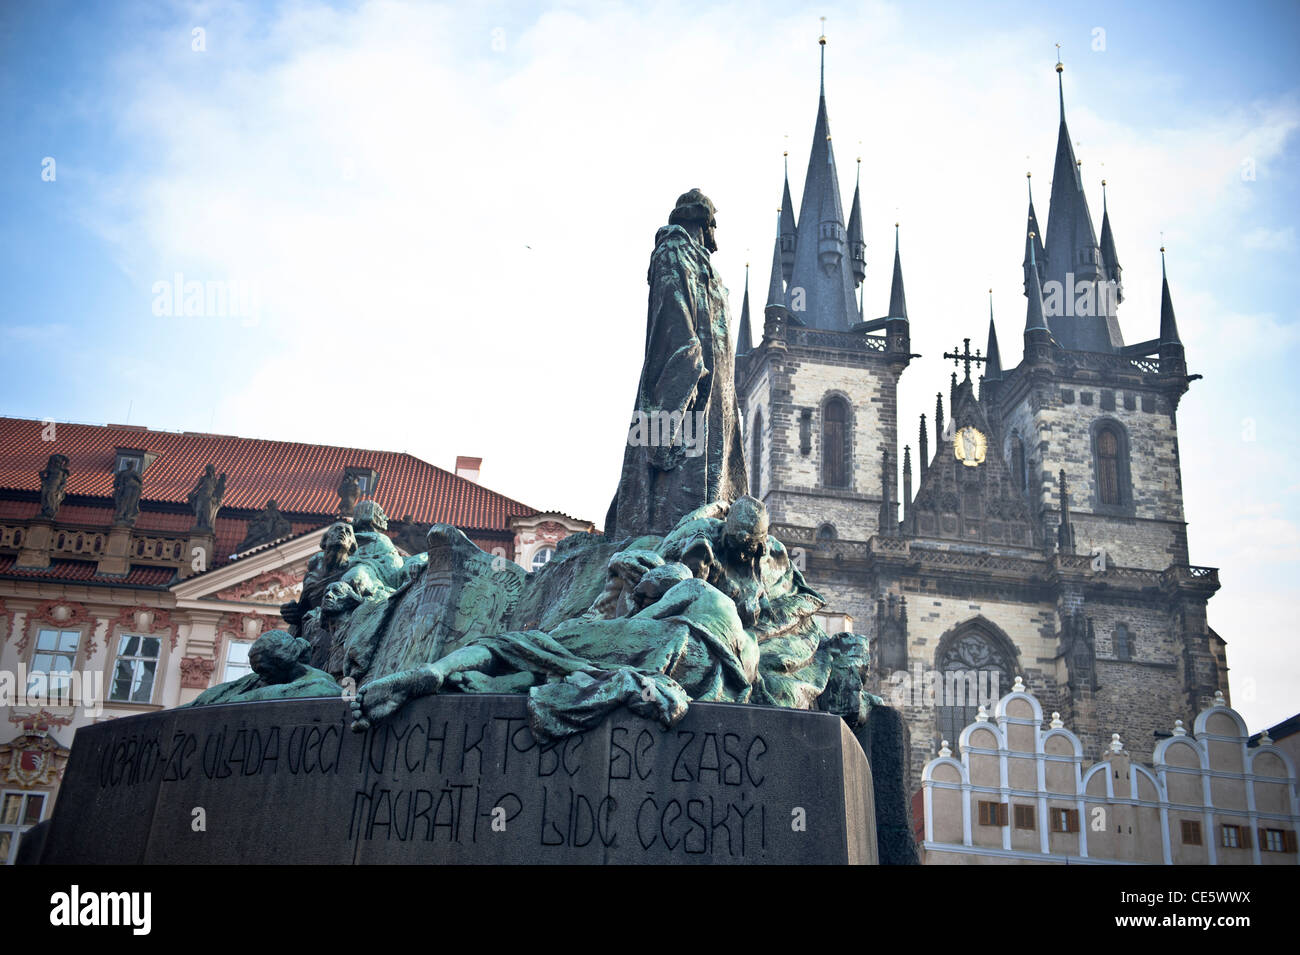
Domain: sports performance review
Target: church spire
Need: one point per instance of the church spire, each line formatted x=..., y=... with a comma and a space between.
x=1038, y=336
x=938, y=422
x=786, y=227
x=993, y=363
x=857, y=245
x=1111, y=268
x=897, y=300
x=1073, y=257
x=821, y=262
x=1033, y=237
x=1168, y=326
x=924, y=447
x=745, y=335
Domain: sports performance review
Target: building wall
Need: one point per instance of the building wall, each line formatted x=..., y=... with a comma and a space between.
x=1126, y=812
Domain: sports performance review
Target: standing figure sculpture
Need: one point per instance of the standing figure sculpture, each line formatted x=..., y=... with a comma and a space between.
x=127, y=484
x=206, y=497
x=54, y=484
x=684, y=447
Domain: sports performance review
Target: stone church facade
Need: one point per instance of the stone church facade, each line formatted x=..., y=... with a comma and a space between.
x=1041, y=536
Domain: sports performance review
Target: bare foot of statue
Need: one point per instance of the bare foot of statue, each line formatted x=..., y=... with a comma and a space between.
x=381, y=698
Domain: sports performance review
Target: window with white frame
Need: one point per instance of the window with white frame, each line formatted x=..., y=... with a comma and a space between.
x=135, y=669
x=237, y=664
x=542, y=557
x=53, y=661
x=19, y=811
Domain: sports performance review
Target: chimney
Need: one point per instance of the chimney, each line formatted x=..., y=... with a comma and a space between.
x=468, y=468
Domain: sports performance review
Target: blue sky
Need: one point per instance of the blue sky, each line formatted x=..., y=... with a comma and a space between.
x=446, y=215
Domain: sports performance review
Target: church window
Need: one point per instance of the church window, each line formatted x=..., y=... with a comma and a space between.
x=835, y=443
x=756, y=454
x=1108, y=466
x=1123, y=643
x=974, y=669
x=826, y=532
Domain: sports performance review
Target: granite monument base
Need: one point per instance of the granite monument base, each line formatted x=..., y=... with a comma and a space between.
x=460, y=779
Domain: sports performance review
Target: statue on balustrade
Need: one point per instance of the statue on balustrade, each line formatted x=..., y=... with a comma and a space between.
x=54, y=485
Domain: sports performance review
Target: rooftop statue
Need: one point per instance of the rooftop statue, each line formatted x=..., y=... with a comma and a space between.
x=54, y=484
x=127, y=484
x=684, y=448
x=205, y=499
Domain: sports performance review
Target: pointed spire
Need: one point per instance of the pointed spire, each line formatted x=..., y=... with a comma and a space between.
x=1033, y=238
x=993, y=364
x=1064, y=533
x=888, y=507
x=786, y=227
x=897, y=300
x=745, y=335
x=775, y=290
x=857, y=245
x=1034, y=318
x=821, y=261
x=1168, y=326
x=1111, y=268
x=938, y=421
x=924, y=447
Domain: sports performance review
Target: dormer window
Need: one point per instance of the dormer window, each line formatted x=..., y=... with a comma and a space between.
x=367, y=480
x=129, y=460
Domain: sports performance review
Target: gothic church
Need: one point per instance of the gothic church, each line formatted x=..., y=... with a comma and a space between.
x=985, y=575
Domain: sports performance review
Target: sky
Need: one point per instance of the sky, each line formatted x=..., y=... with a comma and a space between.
x=436, y=219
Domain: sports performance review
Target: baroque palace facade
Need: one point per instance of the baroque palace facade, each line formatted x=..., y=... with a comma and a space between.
x=1042, y=535
x=129, y=564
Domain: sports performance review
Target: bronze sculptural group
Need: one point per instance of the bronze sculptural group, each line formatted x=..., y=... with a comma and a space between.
x=685, y=597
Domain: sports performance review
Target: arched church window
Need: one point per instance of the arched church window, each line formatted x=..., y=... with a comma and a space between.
x=1018, y=463
x=974, y=668
x=1108, y=465
x=756, y=455
x=1123, y=643
x=826, y=532
x=835, y=443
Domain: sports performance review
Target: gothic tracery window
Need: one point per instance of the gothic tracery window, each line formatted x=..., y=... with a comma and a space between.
x=973, y=668
x=756, y=453
x=1018, y=462
x=835, y=443
x=1108, y=466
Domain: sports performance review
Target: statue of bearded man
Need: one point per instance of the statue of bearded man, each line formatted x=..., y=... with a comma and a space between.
x=684, y=447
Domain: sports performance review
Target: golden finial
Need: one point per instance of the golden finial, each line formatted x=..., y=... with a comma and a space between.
x=1059, y=66
x=822, y=39
x=1103, y=182
x=1079, y=163
x=1031, y=235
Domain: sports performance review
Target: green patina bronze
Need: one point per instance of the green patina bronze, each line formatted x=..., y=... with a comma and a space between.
x=280, y=672
x=686, y=597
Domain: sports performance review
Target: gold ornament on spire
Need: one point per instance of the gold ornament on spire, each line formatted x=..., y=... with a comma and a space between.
x=1060, y=67
x=822, y=39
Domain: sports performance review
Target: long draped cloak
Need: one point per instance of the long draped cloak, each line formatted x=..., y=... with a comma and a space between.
x=688, y=375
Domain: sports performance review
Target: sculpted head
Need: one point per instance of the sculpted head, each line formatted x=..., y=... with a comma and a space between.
x=369, y=516
x=276, y=655
x=696, y=214
x=338, y=543
x=658, y=581
x=745, y=533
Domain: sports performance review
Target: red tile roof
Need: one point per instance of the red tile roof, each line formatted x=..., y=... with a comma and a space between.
x=303, y=478
x=82, y=570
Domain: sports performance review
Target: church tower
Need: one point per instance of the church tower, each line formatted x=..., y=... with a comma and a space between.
x=819, y=393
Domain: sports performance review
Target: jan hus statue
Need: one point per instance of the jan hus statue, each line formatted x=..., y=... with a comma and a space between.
x=684, y=447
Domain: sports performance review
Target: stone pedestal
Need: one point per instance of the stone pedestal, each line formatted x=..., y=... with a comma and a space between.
x=116, y=561
x=460, y=779
x=35, y=552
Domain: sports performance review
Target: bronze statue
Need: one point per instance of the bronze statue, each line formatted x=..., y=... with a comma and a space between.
x=126, y=496
x=684, y=447
x=54, y=485
x=206, y=497
x=280, y=672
